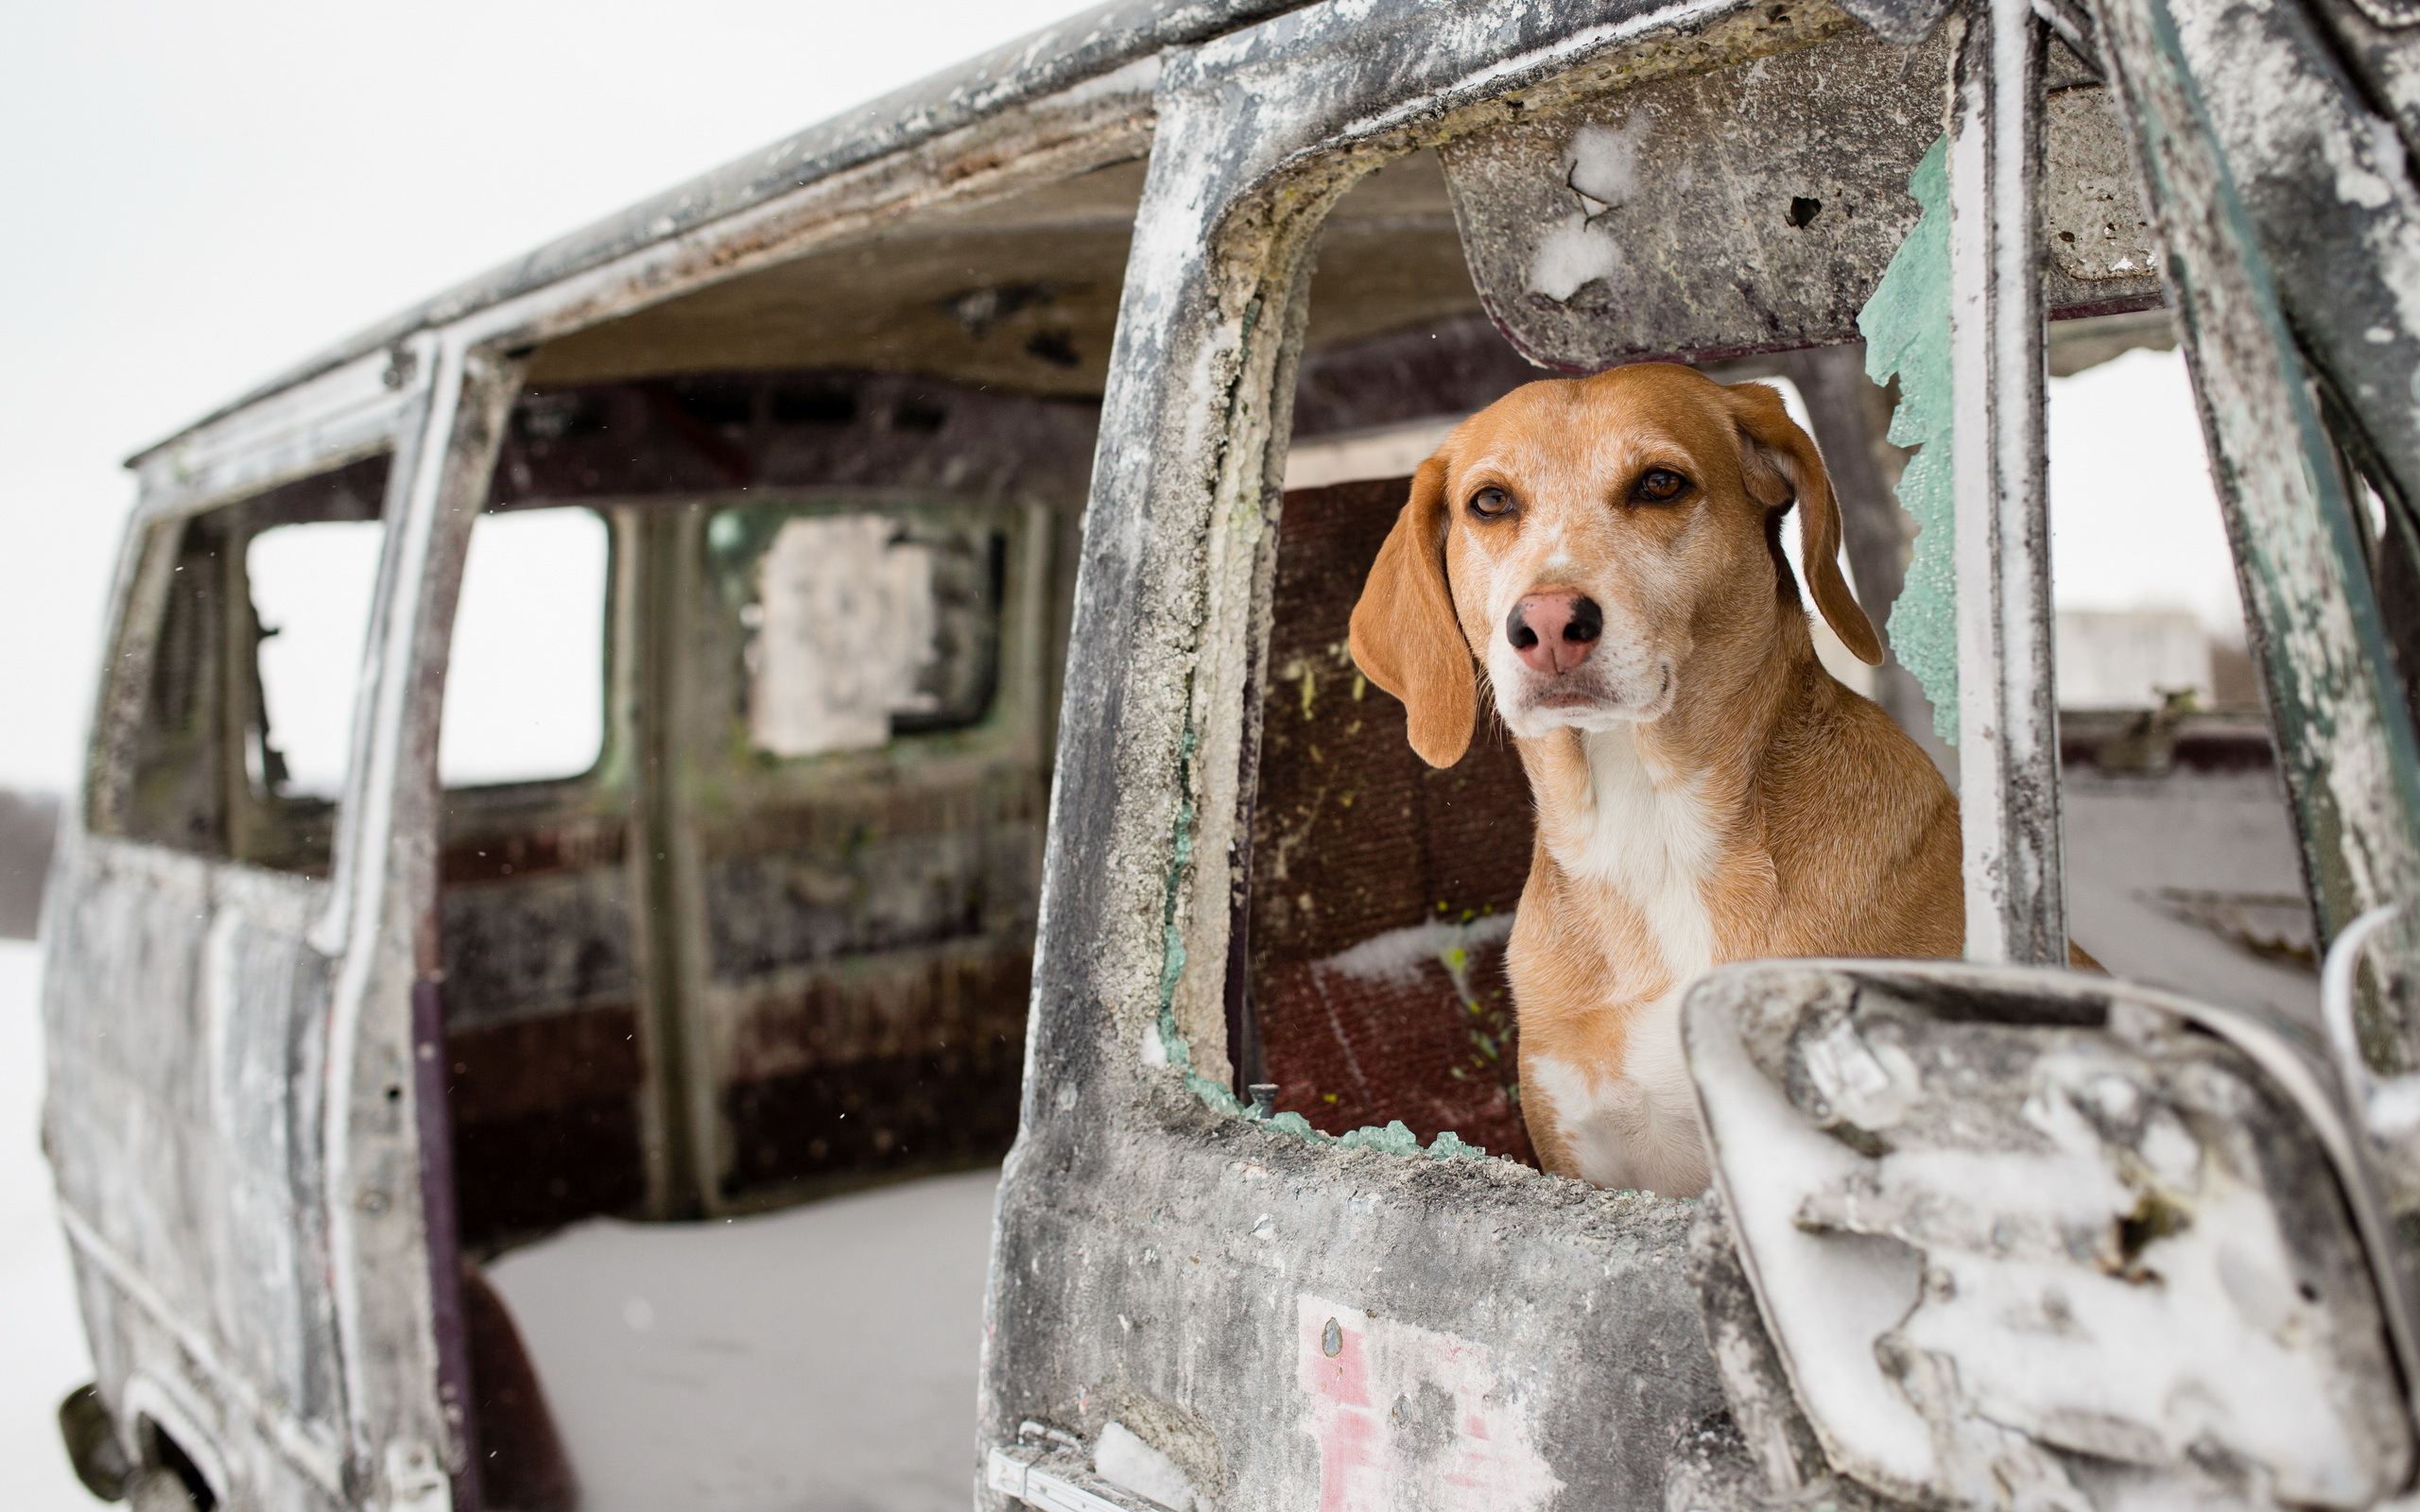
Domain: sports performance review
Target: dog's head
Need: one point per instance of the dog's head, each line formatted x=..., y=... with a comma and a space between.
x=1595, y=545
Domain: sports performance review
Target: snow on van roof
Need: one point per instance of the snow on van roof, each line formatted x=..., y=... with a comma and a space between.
x=1085, y=45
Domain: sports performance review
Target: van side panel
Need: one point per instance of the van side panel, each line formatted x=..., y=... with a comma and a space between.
x=186, y=1023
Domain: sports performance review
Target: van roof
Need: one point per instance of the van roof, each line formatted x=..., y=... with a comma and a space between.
x=1085, y=45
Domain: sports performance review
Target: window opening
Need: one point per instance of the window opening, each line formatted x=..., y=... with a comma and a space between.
x=311, y=590
x=247, y=647
x=1382, y=891
x=2142, y=574
x=2180, y=855
x=1324, y=813
x=524, y=686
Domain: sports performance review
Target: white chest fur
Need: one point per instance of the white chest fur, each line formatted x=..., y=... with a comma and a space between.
x=1638, y=1131
x=1652, y=843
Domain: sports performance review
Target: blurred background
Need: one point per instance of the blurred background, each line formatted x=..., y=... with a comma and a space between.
x=199, y=197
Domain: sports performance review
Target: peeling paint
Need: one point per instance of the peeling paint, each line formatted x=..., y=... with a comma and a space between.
x=1407, y=1417
x=1907, y=336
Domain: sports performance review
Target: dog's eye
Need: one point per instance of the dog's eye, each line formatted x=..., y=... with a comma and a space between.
x=1489, y=502
x=1659, y=485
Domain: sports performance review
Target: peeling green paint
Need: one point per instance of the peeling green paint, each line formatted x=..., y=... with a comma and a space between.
x=1906, y=327
x=1395, y=1139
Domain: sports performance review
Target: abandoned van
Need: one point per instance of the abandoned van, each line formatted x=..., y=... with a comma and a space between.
x=932, y=543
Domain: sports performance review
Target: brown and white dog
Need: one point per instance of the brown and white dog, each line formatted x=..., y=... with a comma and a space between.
x=1608, y=552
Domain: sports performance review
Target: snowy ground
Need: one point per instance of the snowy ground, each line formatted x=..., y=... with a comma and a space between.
x=2133, y=841
x=42, y=1340
x=819, y=1360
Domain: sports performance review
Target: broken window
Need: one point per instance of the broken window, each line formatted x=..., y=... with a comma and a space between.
x=231, y=728
x=311, y=587
x=1381, y=891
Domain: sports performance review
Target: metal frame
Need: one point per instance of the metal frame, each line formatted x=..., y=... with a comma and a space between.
x=2008, y=714
x=2265, y=307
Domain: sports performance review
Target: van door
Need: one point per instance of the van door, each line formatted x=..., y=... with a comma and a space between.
x=186, y=1008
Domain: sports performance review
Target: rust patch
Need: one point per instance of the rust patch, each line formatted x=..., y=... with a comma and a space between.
x=868, y=1011
x=576, y=846
x=914, y=1068
x=545, y=1121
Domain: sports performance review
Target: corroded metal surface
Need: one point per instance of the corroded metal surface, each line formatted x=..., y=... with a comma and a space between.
x=1971, y=1204
x=1714, y=212
x=2346, y=739
x=199, y=1222
x=2007, y=711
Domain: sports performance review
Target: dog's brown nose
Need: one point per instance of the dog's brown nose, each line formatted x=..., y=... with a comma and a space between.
x=1553, y=631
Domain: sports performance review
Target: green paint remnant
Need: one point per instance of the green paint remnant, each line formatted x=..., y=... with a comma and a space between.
x=1449, y=1145
x=1395, y=1139
x=1310, y=690
x=1907, y=331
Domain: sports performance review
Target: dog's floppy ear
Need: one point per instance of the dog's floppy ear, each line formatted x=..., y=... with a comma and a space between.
x=1766, y=430
x=1405, y=636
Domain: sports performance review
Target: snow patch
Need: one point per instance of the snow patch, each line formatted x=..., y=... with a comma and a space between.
x=1123, y=1459
x=1395, y=957
x=1604, y=163
x=1573, y=255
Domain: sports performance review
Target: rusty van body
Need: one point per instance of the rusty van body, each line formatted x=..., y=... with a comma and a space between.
x=1087, y=366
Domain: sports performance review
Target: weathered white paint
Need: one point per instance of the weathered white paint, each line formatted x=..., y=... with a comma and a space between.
x=310, y=1449
x=2008, y=714
x=1408, y=1417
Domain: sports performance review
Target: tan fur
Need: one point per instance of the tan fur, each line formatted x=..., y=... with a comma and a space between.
x=1788, y=815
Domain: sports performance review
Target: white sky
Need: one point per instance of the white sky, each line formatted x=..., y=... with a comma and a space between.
x=2133, y=517
x=199, y=197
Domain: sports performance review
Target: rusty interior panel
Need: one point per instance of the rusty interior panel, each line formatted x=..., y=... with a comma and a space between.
x=865, y=916
x=1019, y=297
x=706, y=976
x=1382, y=887
x=541, y=1020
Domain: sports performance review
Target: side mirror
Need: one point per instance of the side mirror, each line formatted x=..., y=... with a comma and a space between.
x=1991, y=1238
